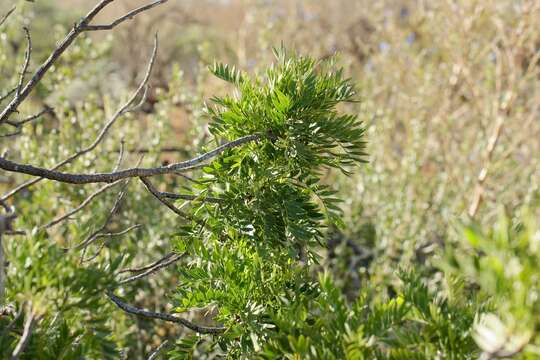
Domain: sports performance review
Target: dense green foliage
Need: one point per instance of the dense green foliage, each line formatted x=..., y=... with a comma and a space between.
x=252, y=250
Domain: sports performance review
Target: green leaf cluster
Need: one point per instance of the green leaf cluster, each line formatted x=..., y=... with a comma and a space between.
x=251, y=251
x=503, y=263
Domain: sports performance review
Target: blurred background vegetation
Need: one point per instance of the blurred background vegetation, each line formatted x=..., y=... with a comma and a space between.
x=449, y=94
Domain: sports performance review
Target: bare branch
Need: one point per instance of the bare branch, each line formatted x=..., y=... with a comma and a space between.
x=166, y=317
x=146, y=267
x=155, y=353
x=14, y=232
x=119, y=233
x=92, y=237
x=98, y=233
x=120, y=155
x=128, y=16
x=153, y=269
x=8, y=94
x=188, y=178
x=109, y=235
x=85, y=203
x=53, y=57
x=8, y=14
x=164, y=201
x=27, y=55
x=123, y=174
x=186, y=197
x=27, y=332
x=56, y=53
x=11, y=134
x=165, y=149
x=46, y=110
x=121, y=111
x=141, y=102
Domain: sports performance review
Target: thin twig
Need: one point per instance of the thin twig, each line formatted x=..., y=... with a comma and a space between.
x=165, y=149
x=85, y=203
x=96, y=234
x=186, y=197
x=72, y=178
x=120, y=155
x=128, y=16
x=8, y=94
x=188, y=178
x=141, y=102
x=46, y=110
x=164, y=201
x=14, y=232
x=166, y=317
x=8, y=14
x=11, y=134
x=109, y=235
x=155, y=353
x=77, y=29
x=27, y=56
x=146, y=267
x=27, y=332
x=53, y=57
x=152, y=270
x=121, y=111
x=92, y=237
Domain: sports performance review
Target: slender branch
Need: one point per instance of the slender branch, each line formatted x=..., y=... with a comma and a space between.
x=164, y=201
x=186, y=197
x=109, y=235
x=165, y=149
x=8, y=14
x=155, y=353
x=11, y=134
x=120, y=155
x=15, y=232
x=8, y=94
x=121, y=111
x=96, y=234
x=188, y=178
x=122, y=174
x=46, y=110
x=119, y=233
x=85, y=203
x=27, y=55
x=77, y=29
x=166, y=317
x=53, y=57
x=152, y=270
x=146, y=267
x=128, y=16
x=93, y=237
x=27, y=332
